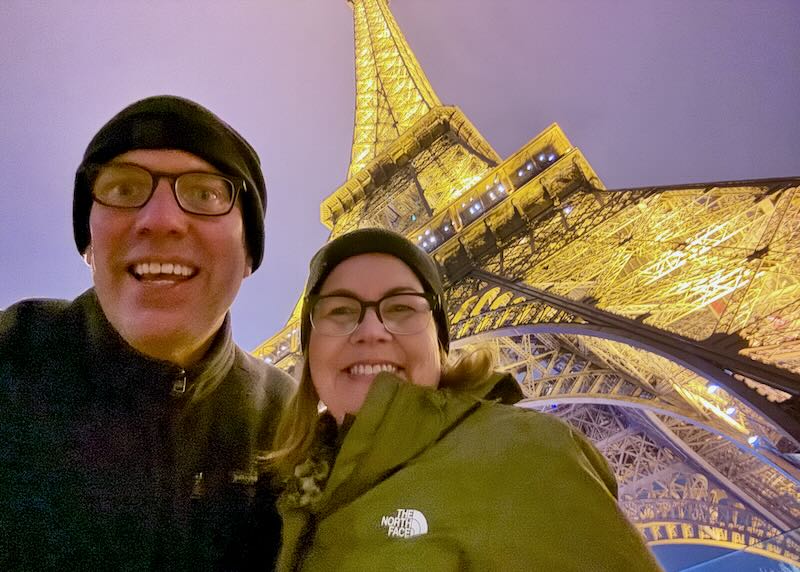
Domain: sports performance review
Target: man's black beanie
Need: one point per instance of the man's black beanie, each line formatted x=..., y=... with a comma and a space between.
x=376, y=240
x=170, y=122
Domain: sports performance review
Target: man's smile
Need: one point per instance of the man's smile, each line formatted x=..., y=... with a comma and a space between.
x=157, y=271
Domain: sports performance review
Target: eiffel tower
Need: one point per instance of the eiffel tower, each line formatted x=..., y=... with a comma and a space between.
x=663, y=322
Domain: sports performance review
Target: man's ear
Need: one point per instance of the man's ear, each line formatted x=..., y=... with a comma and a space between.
x=248, y=267
x=88, y=256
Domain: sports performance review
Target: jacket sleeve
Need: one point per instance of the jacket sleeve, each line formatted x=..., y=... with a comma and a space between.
x=6, y=328
x=596, y=462
x=27, y=322
x=565, y=514
x=625, y=546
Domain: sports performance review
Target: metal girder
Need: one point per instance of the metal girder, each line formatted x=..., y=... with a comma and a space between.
x=707, y=360
x=743, y=471
x=669, y=495
x=573, y=376
x=392, y=92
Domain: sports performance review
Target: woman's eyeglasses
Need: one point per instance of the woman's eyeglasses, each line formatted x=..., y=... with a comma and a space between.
x=402, y=314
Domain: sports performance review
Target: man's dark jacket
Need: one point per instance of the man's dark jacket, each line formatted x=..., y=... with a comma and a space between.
x=110, y=460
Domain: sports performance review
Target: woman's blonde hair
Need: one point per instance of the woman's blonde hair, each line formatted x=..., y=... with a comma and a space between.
x=297, y=426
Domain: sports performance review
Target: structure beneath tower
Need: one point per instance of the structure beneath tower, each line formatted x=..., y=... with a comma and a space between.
x=663, y=322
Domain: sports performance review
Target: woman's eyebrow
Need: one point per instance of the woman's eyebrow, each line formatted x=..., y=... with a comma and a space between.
x=395, y=290
x=340, y=292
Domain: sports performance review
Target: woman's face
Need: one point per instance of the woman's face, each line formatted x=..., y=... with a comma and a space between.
x=343, y=367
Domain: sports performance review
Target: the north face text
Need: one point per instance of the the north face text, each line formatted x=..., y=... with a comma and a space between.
x=405, y=523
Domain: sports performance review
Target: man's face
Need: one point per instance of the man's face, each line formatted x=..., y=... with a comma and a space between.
x=165, y=278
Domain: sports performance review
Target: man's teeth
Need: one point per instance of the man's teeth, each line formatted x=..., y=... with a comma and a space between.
x=159, y=268
x=367, y=369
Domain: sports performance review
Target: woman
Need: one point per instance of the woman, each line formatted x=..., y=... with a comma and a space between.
x=410, y=468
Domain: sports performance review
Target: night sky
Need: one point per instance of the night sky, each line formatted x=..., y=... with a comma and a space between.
x=654, y=92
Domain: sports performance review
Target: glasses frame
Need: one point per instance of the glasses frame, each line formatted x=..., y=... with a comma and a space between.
x=237, y=183
x=312, y=299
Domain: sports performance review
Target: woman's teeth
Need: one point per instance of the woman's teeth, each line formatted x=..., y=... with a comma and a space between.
x=371, y=369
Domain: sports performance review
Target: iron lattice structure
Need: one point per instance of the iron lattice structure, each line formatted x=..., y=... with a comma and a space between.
x=663, y=322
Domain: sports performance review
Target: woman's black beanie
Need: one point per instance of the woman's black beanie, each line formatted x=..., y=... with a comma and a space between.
x=170, y=122
x=376, y=240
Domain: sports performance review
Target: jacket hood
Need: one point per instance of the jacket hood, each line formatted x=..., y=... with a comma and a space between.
x=384, y=417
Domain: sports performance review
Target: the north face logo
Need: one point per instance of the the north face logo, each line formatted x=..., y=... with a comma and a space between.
x=405, y=523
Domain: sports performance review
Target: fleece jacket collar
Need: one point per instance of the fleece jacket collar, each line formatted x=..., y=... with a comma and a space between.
x=123, y=372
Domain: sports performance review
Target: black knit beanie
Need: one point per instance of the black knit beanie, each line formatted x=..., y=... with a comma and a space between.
x=376, y=240
x=170, y=122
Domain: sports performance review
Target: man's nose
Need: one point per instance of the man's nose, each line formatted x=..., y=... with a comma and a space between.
x=370, y=328
x=162, y=212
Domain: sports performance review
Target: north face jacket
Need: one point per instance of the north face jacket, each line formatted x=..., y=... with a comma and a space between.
x=438, y=481
x=110, y=460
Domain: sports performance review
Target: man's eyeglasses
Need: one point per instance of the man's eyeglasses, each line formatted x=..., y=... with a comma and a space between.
x=403, y=314
x=128, y=186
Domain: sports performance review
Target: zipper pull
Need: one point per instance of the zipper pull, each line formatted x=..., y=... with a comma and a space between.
x=199, y=487
x=179, y=385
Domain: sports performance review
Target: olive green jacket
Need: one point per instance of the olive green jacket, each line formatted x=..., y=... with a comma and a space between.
x=436, y=481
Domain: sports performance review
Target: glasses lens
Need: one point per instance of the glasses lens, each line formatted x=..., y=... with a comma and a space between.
x=405, y=313
x=335, y=315
x=122, y=186
x=204, y=193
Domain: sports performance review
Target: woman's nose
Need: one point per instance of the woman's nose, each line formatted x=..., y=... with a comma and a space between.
x=370, y=328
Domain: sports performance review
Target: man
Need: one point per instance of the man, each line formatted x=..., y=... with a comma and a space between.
x=130, y=423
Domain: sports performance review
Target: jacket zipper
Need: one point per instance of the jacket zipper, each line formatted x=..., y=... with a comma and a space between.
x=179, y=385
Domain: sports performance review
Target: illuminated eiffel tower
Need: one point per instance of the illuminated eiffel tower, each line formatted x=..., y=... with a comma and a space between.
x=664, y=322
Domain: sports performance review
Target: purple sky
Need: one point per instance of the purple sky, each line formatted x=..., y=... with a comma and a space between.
x=652, y=91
